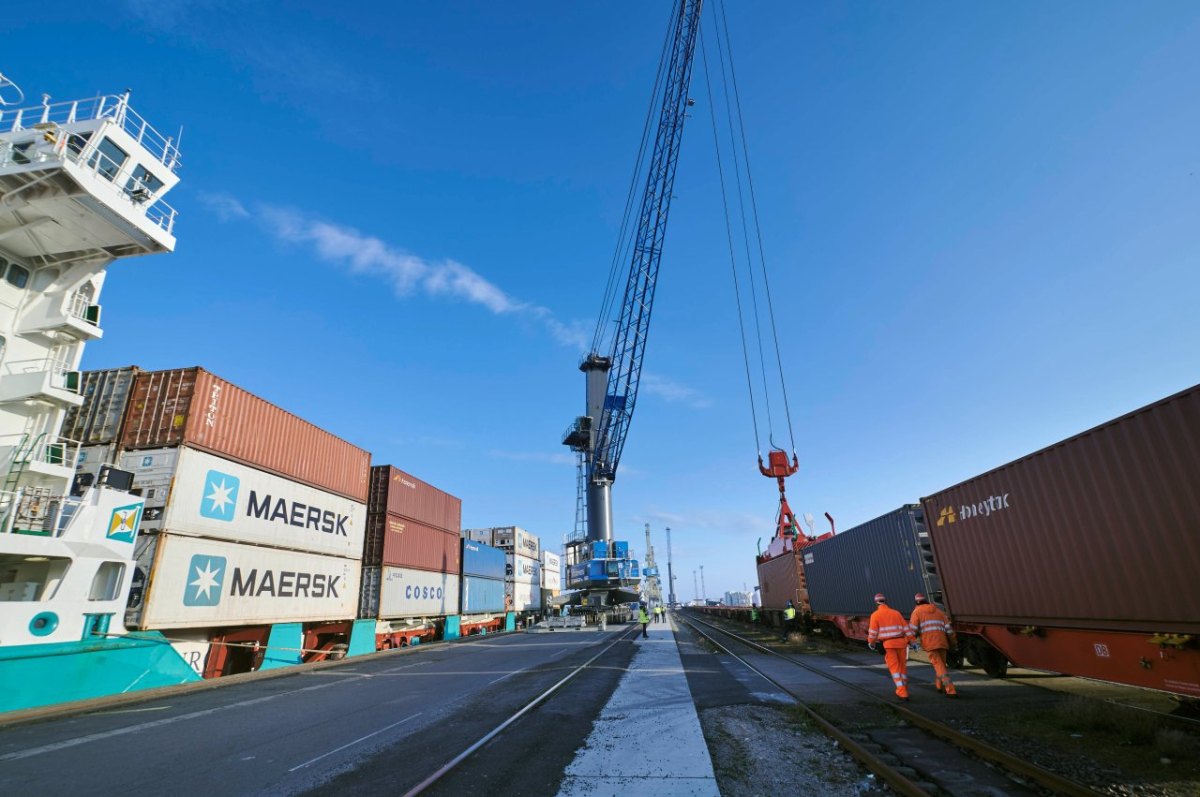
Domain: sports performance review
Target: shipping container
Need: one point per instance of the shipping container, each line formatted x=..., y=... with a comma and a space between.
x=551, y=571
x=781, y=579
x=524, y=597
x=478, y=535
x=890, y=554
x=1095, y=532
x=192, y=407
x=400, y=493
x=480, y=595
x=516, y=539
x=99, y=419
x=194, y=493
x=186, y=582
x=92, y=458
x=400, y=542
x=482, y=560
x=522, y=569
x=392, y=593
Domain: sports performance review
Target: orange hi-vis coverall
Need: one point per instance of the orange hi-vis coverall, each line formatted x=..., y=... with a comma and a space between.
x=935, y=631
x=888, y=626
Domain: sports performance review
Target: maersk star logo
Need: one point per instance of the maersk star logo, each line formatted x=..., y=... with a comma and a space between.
x=220, y=496
x=205, y=576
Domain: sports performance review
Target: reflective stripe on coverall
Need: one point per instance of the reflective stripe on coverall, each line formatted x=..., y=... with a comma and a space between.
x=935, y=630
x=888, y=626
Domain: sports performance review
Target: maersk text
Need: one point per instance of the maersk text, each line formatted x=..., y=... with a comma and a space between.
x=294, y=513
x=287, y=584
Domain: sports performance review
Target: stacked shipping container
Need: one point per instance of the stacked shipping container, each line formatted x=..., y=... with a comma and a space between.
x=412, y=553
x=483, y=578
x=523, y=573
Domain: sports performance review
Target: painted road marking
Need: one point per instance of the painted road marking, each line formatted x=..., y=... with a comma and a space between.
x=351, y=744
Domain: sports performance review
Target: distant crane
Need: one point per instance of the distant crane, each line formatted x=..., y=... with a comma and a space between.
x=650, y=571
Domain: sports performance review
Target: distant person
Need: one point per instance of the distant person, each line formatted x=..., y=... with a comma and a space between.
x=933, y=626
x=789, y=617
x=644, y=619
x=756, y=599
x=658, y=613
x=889, y=625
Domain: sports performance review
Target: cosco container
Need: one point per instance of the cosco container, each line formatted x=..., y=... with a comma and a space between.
x=516, y=539
x=522, y=569
x=400, y=542
x=192, y=407
x=482, y=595
x=524, y=597
x=1096, y=532
x=186, y=582
x=889, y=554
x=551, y=571
x=196, y=494
x=482, y=560
x=400, y=493
x=393, y=593
x=99, y=419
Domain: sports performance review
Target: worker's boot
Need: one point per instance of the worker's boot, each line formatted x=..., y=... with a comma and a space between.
x=950, y=690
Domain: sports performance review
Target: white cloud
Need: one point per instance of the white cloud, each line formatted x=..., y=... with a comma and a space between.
x=226, y=207
x=548, y=457
x=667, y=390
x=724, y=521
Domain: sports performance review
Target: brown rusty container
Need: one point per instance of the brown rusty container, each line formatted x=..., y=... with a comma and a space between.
x=397, y=541
x=1100, y=531
x=190, y=406
x=781, y=580
x=399, y=493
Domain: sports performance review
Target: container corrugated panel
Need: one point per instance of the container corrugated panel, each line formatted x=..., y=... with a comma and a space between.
x=401, y=493
x=482, y=560
x=192, y=407
x=522, y=569
x=1098, y=531
x=198, y=583
x=517, y=539
x=105, y=396
x=401, y=542
x=478, y=535
x=405, y=592
x=482, y=594
x=885, y=555
x=551, y=571
x=525, y=597
x=92, y=458
x=197, y=494
x=779, y=582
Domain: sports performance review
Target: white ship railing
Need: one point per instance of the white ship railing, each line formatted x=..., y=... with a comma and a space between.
x=109, y=106
x=45, y=449
x=55, y=365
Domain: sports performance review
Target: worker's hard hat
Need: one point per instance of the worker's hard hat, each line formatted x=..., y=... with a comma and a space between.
x=879, y=598
x=920, y=597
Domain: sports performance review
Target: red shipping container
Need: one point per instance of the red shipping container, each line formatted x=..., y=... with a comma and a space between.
x=397, y=541
x=190, y=406
x=1096, y=532
x=399, y=493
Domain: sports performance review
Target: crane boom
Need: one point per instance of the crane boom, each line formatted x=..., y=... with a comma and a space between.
x=613, y=380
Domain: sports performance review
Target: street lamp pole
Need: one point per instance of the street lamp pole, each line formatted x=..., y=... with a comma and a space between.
x=703, y=591
x=670, y=571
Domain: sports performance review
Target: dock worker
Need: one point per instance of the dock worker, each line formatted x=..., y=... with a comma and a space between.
x=933, y=626
x=888, y=626
x=789, y=616
x=644, y=619
x=658, y=614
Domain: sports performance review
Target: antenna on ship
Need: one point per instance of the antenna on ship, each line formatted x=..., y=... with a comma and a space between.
x=5, y=85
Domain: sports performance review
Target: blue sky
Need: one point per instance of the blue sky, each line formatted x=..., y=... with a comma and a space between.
x=980, y=220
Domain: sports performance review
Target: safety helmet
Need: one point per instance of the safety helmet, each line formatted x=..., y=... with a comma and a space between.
x=920, y=597
x=879, y=598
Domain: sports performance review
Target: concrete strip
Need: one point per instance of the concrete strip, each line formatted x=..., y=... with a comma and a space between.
x=647, y=740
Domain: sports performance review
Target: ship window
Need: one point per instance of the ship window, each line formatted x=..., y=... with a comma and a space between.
x=108, y=159
x=17, y=276
x=142, y=184
x=77, y=141
x=107, y=582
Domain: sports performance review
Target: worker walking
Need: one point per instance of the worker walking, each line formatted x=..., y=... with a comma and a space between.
x=888, y=626
x=933, y=626
x=658, y=614
x=644, y=619
x=789, y=617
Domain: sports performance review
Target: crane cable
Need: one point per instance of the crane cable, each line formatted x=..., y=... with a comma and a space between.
x=730, y=109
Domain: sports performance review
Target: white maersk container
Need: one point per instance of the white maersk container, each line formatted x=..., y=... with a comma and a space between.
x=522, y=570
x=200, y=583
x=525, y=597
x=394, y=593
x=551, y=571
x=193, y=493
x=92, y=458
x=516, y=540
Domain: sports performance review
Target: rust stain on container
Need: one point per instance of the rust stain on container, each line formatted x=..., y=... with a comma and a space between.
x=396, y=541
x=1099, y=531
x=400, y=493
x=190, y=406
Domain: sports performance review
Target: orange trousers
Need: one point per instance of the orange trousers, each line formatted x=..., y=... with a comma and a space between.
x=942, y=680
x=897, y=664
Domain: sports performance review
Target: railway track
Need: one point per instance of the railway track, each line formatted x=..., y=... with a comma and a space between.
x=891, y=756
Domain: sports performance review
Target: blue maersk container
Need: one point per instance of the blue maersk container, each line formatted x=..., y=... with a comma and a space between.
x=482, y=560
x=482, y=594
x=890, y=554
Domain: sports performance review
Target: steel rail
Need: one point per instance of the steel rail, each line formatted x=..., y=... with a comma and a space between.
x=492, y=734
x=1043, y=777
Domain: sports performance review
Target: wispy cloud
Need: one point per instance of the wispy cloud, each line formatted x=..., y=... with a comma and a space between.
x=736, y=523
x=406, y=273
x=667, y=390
x=547, y=457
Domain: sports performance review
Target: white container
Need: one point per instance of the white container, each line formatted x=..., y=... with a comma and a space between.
x=399, y=592
x=91, y=458
x=517, y=540
x=194, y=493
x=522, y=569
x=551, y=571
x=199, y=583
x=525, y=597
x=478, y=535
